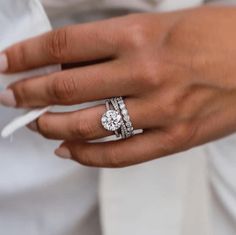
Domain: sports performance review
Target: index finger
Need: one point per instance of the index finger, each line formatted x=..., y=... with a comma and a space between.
x=71, y=44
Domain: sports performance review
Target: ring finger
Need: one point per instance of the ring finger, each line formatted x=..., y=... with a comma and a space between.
x=86, y=123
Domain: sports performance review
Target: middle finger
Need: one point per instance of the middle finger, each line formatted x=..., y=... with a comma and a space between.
x=73, y=86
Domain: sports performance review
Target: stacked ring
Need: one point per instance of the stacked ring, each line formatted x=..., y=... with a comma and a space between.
x=117, y=119
x=125, y=117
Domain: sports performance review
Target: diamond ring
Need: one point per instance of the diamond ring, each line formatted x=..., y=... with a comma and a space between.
x=111, y=119
x=117, y=119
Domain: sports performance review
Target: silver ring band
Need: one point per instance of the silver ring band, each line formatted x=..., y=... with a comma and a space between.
x=125, y=117
x=117, y=119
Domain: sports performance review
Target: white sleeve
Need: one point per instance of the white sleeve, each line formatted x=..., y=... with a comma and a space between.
x=222, y=2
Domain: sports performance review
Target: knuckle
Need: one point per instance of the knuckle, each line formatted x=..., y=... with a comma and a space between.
x=174, y=34
x=64, y=88
x=182, y=137
x=20, y=93
x=17, y=58
x=83, y=129
x=83, y=157
x=171, y=143
x=174, y=40
x=135, y=37
x=149, y=74
x=190, y=136
x=57, y=43
x=171, y=111
x=114, y=159
x=167, y=111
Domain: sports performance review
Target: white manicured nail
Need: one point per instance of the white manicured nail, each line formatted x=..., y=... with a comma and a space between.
x=7, y=98
x=3, y=62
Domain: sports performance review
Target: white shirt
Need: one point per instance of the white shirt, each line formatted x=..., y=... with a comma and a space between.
x=39, y=193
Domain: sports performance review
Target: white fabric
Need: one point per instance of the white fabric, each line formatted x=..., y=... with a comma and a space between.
x=221, y=175
x=143, y=5
x=70, y=11
x=167, y=196
x=39, y=193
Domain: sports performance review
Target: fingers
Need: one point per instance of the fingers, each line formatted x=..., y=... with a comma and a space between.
x=77, y=43
x=86, y=124
x=140, y=148
x=72, y=86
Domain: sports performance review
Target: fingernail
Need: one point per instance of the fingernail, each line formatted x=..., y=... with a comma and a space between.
x=63, y=152
x=7, y=98
x=33, y=126
x=3, y=62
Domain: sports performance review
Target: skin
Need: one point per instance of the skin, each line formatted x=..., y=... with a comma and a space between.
x=177, y=72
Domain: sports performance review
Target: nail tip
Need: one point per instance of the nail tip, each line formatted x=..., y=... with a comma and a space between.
x=33, y=126
x=63, y=152
x=3, y=63
x=7, y=98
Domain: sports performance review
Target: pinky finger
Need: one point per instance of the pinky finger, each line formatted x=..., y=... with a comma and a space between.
x=140, y=148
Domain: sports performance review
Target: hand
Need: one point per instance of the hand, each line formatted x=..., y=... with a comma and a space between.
x=176, y=71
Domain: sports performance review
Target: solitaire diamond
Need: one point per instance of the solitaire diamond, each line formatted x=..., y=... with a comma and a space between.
x=111, y=120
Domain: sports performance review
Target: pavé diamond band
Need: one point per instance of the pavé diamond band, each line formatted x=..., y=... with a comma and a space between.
x=117, y=119
x=128, y=127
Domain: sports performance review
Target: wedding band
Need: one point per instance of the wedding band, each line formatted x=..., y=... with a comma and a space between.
x=117, y=119
x=129, y=131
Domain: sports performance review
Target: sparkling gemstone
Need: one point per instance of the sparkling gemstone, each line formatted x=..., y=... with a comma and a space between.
x=122, y=106
x=111, y=120
x=128, y=124
x=127, y=118
x=124, y=111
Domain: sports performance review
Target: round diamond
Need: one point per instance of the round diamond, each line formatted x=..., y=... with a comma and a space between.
x=111, y=120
